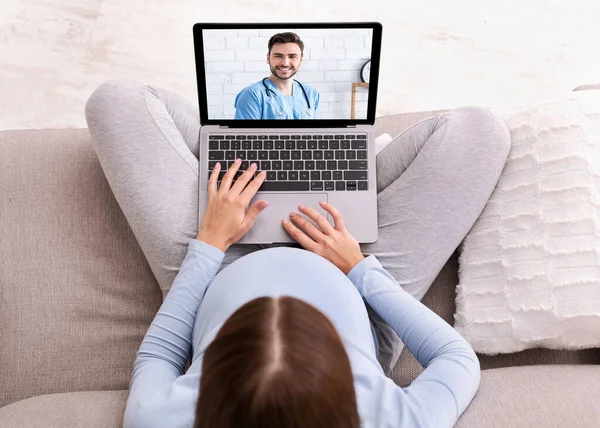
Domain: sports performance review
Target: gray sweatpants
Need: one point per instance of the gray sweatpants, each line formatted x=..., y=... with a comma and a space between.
x=433, y=181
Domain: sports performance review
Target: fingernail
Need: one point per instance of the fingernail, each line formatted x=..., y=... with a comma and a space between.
x=263, y=205
x=284, y=221
x=322, y=202
x=253, y=165
x=263, y=172
x=301, y=207
x=292, y=214
x=238, y=160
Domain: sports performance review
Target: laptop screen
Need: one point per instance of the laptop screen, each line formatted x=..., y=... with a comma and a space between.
x=294, y=72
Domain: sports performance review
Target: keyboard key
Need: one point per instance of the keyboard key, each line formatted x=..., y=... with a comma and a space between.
x=351, y=185
x=342, y=164
x=284, y=186
x=316, y=185
x=265, y=165
x=306, y=154
x=323, y=144
x=306, y=137
x=284, y=154
x=279, y=145
x=224, y=145
x=359, y=144
x=293, y=175
x=216, y=155
x=339, y=137
x=317, y=154
x=309, y=165
x=362, y=185
x=273, y=155
x=216, y=137
x=317, y=137
x=271, y=175
x=350, y=154
x=312, y=145
x=296, y=154
x=276, y=165
x=298, y=165
x=304, y=175
x=246, y=145
x=252, y=155
x=240, y=137
x=230, y=155
x=282, y=175
x=340, y=185
x=315, y=175
x=334, y=145
x=351, y=137
x=295, y=137
x=212, y=164
x=355, y=175
x=263, y=155
x=329, y=185
x=320, y=165
x=361, y=137
x=288, y=165
x=290, y=145
x=268, y=145
x=273, y=137
x=358, y=164
x=361, y=154
x=252, y=137
x=263, y=137
x=331, y=165
x=213, y=145
x=339, y=154
x=345, y=144
x=328, y=136
x=285, y=137
x=257, y=145
x=328, y=154
x=301, y=145
x=244, y=165
x=236, y=145
x=240, y=154
x=326, y=175
x=337, y=175
x=230, y=137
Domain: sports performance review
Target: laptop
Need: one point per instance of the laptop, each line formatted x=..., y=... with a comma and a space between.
x=299, y=100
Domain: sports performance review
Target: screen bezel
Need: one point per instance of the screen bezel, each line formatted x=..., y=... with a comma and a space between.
x=287, y=123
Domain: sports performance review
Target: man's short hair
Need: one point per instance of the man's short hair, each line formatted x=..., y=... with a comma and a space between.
x=288, y=37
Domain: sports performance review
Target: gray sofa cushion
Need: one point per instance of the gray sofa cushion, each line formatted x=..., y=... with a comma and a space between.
x=533, y=396
x=76, y=294
x=100, y=409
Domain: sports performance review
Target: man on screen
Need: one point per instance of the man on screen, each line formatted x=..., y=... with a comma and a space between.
x=279, y=96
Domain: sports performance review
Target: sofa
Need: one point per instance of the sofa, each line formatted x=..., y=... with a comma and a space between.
x=77, y=296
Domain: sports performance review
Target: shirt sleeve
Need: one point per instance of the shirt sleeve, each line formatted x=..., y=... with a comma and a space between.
x=167, y=344
x=441, y=393
x=247, y=105
x=317, y=102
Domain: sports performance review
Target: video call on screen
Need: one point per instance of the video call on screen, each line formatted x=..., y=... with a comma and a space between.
x=241, y=84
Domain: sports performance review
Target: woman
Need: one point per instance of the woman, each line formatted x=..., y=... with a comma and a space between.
x=294, y=335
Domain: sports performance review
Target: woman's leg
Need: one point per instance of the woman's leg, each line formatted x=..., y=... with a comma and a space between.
x=433, y=182
x=147, y=143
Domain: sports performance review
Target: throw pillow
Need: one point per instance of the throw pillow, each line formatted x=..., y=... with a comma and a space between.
x=529, y=270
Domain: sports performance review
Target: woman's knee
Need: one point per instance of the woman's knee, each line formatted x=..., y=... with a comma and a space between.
x=484, y=126
x=107, y=97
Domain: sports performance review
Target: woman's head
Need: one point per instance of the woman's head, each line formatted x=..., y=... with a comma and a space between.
x=276, y=362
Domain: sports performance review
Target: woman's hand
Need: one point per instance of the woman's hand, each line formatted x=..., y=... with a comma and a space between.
x=333, y=243
x=225, y=220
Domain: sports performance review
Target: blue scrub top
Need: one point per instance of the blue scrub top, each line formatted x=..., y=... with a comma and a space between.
x=253, y=103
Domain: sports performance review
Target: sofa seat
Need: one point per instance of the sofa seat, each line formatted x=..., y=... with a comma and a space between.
x=528, y=396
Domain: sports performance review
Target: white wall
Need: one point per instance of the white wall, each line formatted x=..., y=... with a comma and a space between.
x=332, y=61
x=436, y=54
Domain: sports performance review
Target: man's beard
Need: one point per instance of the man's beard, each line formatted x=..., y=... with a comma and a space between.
x=293, y=72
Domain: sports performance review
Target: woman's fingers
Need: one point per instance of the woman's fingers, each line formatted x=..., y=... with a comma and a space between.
x=317, y=218
x=307, y=226
x=299, y=236
x=228, y=178
x=242, y=181
x=214, y=177
x=338, y=221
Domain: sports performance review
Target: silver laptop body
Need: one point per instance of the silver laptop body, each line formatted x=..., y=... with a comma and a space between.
x=357, y=206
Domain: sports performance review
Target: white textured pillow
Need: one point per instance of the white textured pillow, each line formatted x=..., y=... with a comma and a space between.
x=529, y=271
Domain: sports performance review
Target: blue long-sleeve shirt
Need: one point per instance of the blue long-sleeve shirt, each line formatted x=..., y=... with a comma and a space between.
x=200, y=301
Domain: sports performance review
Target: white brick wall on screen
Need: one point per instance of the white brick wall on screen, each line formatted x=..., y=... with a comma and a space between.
x=332, y=61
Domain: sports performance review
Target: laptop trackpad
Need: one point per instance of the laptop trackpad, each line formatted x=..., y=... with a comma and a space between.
x=268, y=228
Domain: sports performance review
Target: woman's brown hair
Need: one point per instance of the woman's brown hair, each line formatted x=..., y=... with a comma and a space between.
x=276, y=363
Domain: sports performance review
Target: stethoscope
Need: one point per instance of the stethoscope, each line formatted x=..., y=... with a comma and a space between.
x=309, y=111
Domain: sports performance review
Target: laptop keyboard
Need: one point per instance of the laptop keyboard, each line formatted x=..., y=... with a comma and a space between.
x=331, y=162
